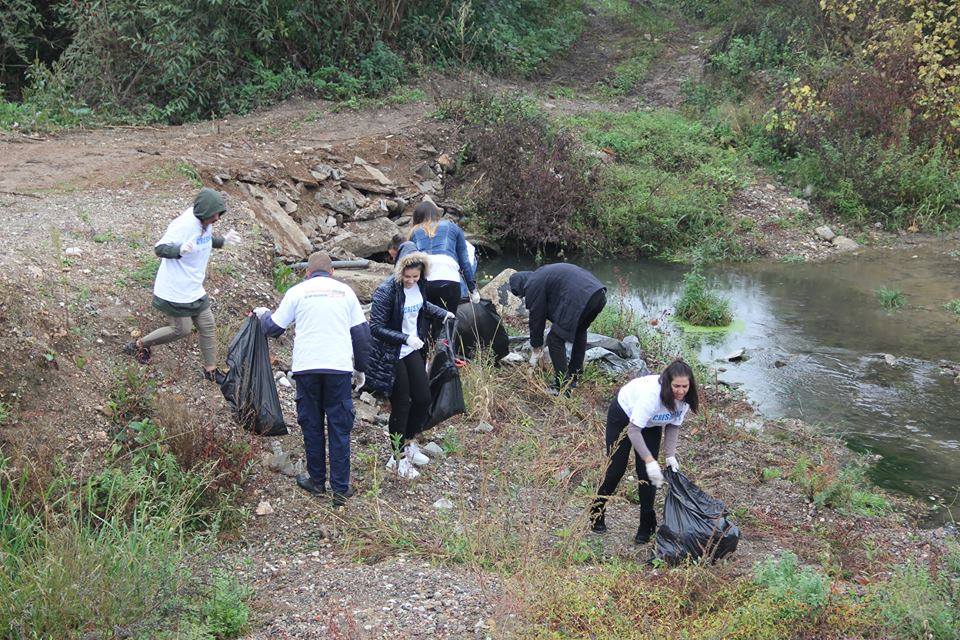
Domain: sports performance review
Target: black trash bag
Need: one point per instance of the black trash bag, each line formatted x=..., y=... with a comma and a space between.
x=249, y=387
x=477, y=327
x=446, y=392
x=694, y=524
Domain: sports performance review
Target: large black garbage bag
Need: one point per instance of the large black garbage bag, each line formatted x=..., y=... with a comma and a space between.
x=477, y=327
x=446, y=392
x=694, y=524
x=249, y=387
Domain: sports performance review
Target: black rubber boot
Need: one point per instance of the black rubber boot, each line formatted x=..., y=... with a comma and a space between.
x=305, y=482
x=648, y=526
x=340, y=499
x=598, y=523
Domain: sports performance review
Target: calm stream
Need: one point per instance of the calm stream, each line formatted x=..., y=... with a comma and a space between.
x=816, y=339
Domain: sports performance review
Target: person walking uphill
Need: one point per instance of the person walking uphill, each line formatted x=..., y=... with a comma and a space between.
x=647, y=407
x=399, y=324
x=333, y=340
x=178, y=290
x=571, y=298
x=446, y=245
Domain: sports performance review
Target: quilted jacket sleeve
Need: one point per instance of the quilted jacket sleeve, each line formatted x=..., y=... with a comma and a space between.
x=381, y=311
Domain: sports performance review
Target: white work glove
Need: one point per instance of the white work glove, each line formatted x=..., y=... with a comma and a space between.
x=261, y=311
x=414, y=343
x=359, y=379
x=654, y=473
x=187, y=247
x=673, y=464
x=475, y=297
x=232, y=238
x=535, y=357
x=450, y=316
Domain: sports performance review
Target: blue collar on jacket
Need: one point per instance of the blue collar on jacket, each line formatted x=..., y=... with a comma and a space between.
x=316, y=274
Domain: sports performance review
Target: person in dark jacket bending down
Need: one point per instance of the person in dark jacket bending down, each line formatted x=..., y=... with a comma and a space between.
x=399, y=325
x=571, y=298
x=646, y=408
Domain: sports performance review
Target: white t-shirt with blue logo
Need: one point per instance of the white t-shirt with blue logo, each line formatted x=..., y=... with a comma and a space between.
x=181, y=279
x=324, y=311
x=412, y=303
x=640, y=400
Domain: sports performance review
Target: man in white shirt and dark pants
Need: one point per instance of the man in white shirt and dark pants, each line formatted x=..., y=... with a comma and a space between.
x=333, y=340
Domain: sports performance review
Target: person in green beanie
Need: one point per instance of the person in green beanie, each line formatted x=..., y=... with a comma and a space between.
x=178, y=291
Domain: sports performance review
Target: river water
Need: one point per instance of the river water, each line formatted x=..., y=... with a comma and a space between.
x=817, y=343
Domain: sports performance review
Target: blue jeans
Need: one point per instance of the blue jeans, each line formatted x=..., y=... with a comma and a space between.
x=326, y=397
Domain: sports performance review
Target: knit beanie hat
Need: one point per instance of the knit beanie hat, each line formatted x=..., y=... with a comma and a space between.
x=208, y=203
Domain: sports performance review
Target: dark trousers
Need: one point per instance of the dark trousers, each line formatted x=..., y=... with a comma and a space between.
x=325, y=397
x=442, y=293
x=570, y=371
x=410, y=398
x=618, y=454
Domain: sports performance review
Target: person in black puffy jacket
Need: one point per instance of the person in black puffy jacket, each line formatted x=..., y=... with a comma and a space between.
x=570, y=297
x=399, y=325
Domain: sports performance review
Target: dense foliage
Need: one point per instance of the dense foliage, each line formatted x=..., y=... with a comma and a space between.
x=856, y=102
x=175, y=60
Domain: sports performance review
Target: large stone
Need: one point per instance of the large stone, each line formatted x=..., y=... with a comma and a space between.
x=364, y=281
x=289, y=238
x=498, y=290
x=843, y=243
x=825, y=233
x=370, y=212
x=343, y=203
x=368, y=238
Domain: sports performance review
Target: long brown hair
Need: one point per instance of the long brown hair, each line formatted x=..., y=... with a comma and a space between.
x=426, y=216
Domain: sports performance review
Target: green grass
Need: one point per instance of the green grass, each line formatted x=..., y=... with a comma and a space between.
x=112, y=552
x=891, y=299
x=666, y=190
x=700, y=306
x=953, y=306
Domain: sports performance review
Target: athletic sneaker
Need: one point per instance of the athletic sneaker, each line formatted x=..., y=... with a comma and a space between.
x=140, y=354
x=414, y=455
x=404, y=468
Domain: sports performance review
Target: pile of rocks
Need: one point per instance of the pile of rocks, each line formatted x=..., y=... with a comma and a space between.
x=319, y=200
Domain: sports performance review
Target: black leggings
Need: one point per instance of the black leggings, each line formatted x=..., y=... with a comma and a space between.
x=618, y=452
x=442, y=293
x=409, y=399
x=570, y=371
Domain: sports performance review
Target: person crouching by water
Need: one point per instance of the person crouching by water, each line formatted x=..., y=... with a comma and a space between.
x=331, y=349
x=647, y=407
x=570, y=297
x=400, y=318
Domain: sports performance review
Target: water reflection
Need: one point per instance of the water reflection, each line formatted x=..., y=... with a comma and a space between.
x=816, y=340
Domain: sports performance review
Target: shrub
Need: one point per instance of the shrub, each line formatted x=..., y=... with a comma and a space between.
x=283, y=278
x=953, y=306
x=804, y=590
x=536, y=187
x=916, y=604
x=700, y=306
